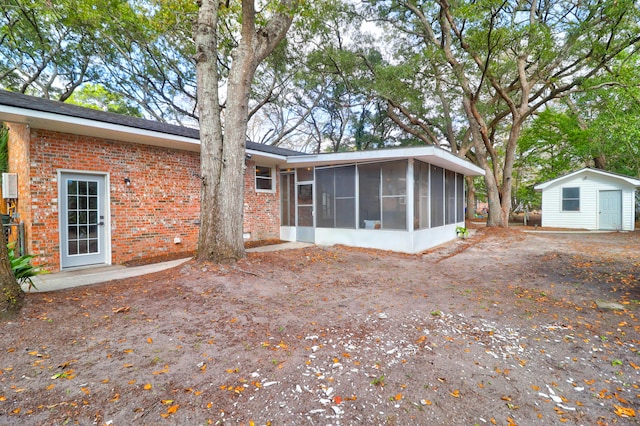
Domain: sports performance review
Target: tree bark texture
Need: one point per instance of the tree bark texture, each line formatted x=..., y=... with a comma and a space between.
x=12, y=295
x=471, y=198
x=223, y=153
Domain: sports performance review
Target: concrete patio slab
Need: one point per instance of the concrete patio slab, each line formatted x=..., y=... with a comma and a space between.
x=99, y=274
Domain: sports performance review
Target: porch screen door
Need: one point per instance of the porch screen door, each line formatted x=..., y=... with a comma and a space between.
x=304, y=229
x=82, y=206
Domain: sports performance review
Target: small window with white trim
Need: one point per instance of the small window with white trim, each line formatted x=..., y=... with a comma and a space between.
x=264, y=179
x=570, y=199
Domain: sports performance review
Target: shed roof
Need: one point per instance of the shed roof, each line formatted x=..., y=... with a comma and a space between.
x=627, y=179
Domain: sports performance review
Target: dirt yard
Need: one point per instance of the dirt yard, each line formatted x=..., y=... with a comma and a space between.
x=501, y=328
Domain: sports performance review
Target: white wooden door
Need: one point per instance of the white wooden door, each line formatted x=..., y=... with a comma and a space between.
x=610, y=212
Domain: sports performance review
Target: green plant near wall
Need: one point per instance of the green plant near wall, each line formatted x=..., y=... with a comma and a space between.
x=462, y=232
x=22, y=268
x=4, y=149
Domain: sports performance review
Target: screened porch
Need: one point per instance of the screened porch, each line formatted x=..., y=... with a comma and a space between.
x=406, y=205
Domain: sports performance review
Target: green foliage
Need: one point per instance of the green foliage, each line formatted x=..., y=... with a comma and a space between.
x=48, y=48
x=22, y=268
x=4, y=149
x=141, y=51
x=599, y=126
x=10, y=297
x=378, y=381
x=96, y=96
x=462, y=232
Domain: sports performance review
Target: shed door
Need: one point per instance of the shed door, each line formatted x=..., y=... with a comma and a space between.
x=82, y=210
x=610, y=210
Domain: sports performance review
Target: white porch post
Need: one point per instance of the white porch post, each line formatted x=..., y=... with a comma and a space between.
x=409, y=196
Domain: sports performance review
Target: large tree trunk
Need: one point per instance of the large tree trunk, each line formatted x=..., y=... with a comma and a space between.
x=12, y=295
x=222, y=157
x=216, y=240
x=471, y=198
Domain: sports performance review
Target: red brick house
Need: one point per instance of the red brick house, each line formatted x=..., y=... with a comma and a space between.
x=100, y=188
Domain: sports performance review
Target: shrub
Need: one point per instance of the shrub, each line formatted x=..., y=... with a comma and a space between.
x=22, y=268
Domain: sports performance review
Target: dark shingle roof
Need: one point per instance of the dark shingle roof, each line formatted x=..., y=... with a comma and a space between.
x=270, y=149
x=19, y=100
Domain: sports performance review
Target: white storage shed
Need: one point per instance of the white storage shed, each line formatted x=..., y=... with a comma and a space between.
x=589, y=199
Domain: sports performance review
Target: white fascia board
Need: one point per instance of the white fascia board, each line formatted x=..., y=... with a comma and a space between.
x=447, y=160
x=428, y=154
x=627, y=179
x=266, y=158
x=86, y=127
x=82, y=126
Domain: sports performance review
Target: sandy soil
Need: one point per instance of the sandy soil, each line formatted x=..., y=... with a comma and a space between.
x=500, y=328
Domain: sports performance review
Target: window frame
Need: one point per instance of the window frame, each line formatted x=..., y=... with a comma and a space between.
x=271, y=178
x=564, y=199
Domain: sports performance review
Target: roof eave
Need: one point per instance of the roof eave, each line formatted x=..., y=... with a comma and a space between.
x=266, y=158
x=86, y=127
x=631, y=181
x=428, y=154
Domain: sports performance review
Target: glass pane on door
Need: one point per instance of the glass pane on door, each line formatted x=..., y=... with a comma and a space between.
x=82, y=217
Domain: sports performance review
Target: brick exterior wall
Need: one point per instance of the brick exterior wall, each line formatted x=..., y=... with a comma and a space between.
x=18, y=148
x=161, y=203
x=261, y=209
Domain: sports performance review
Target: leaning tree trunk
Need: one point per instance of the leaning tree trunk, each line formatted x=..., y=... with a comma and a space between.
x=479, y=136
x=12, y=295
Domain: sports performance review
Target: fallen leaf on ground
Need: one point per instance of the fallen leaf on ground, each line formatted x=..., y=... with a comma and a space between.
x=624, y=411
x=164, y=370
